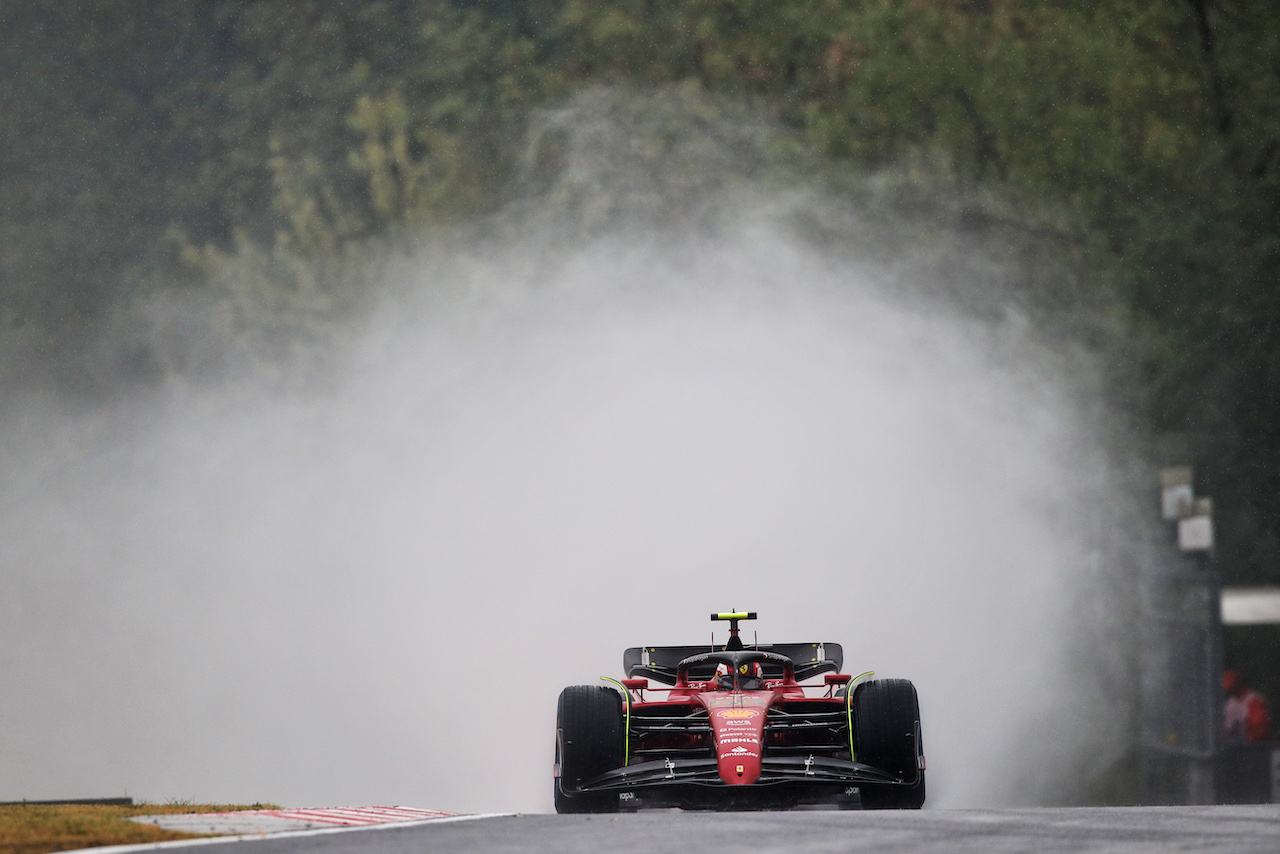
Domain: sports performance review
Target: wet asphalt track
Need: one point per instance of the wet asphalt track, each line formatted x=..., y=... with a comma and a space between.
x=1157, y=830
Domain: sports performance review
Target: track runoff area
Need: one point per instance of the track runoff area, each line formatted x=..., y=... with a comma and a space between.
x=1116, y=830
x=285, y=824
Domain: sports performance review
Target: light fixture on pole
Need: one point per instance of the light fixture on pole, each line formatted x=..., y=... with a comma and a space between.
x=1176, y=494
x=1195, y=527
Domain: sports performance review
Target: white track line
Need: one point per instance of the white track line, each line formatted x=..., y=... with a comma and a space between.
x=288, y=834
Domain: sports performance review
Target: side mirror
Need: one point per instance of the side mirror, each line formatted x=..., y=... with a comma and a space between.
x=640, y=684
x=838, y=678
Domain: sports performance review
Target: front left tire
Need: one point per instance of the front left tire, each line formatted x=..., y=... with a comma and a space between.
x=887, y=722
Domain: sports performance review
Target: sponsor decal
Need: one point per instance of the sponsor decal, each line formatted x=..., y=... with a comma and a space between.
x=742, y=751
x=736, y=714
x=738, y=739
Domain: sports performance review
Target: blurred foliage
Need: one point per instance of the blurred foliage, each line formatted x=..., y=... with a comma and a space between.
x=145, y=143
x=264, y=156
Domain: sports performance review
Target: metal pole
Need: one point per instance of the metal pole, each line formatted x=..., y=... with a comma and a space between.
x=1195, y=539
x=1215, y=657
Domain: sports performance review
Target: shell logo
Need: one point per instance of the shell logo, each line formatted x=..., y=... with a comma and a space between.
x=737, y=713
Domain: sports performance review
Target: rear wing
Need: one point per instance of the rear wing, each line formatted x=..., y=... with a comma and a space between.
x=660, y=662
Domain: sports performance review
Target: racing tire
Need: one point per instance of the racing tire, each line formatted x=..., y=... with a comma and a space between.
x=588, y=743
x=886, y=714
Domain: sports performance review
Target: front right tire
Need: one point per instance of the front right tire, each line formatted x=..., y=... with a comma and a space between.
x=589, y=740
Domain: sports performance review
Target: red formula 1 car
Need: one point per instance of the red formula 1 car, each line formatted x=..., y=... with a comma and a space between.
x=735, y=729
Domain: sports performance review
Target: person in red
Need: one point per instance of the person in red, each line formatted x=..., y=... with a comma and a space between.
x=1245, y=714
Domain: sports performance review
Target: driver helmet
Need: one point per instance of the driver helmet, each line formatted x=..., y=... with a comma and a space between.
x=751, y=676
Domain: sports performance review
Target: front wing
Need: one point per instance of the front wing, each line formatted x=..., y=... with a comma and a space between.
x=775, y=771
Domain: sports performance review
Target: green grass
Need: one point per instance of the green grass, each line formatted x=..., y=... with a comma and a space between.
x=39, y=828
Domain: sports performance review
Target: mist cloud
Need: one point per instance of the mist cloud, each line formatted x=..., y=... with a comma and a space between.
x=547, y=446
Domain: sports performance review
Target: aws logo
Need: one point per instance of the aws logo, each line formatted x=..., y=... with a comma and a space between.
x=737, y=714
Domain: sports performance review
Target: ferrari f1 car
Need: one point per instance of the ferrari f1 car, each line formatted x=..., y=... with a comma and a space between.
x=733, y=727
